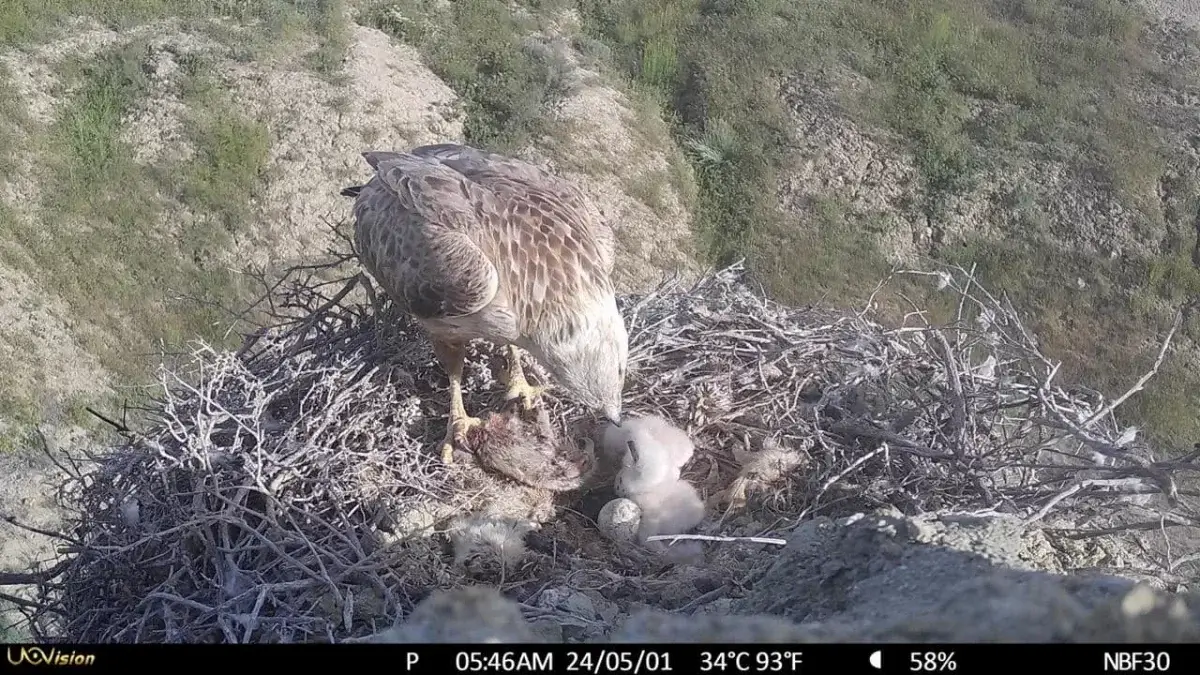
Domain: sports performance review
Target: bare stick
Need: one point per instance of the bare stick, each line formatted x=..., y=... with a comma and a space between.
x=708, y=537
x=1145, y=378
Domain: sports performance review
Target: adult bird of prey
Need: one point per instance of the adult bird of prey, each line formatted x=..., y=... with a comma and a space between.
x=476, y=245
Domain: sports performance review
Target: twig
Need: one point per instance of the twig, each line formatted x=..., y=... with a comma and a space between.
x=26, y=578
x=1144, y=379
x=12, y=520
x=709, y=537
x=704, y=598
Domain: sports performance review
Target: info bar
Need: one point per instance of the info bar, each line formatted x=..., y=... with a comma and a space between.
x=623, y=659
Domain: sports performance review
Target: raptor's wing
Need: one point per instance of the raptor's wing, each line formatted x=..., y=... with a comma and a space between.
x=560, y=198
x=413, y=222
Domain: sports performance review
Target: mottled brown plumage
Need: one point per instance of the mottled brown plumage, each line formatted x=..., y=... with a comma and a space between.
x=476, y=245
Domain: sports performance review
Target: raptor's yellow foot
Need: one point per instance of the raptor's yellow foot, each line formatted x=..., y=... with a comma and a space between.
x=518, y=386
x=528, y=393
x=456, y=432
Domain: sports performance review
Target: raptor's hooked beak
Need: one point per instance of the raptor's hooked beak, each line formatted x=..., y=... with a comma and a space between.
x=613, y=416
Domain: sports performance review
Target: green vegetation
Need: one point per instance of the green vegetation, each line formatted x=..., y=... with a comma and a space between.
x=1058, y=68
x=111, y=251
x=13, y=114
x=29, y=21
x=1056, y=75
x=478, y=48
x=327, y=19
x=230, y=157
x=135, y=282
x=133, y=279
x=23, y=21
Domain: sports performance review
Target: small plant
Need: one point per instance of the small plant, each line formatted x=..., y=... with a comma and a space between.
x=480, y=48
x=231, y=154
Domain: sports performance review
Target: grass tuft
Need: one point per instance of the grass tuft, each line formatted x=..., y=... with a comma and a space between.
x=479, y=48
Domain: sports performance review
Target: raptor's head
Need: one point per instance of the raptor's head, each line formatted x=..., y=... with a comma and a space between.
x=587, y=355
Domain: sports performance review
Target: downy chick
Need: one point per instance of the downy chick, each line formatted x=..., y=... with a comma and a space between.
x=660, y=451
x=649, y=431
x=668, y=504
x=490, y=540
x=670, y=508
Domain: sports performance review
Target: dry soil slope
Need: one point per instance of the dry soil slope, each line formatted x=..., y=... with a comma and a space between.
x=1087, y=263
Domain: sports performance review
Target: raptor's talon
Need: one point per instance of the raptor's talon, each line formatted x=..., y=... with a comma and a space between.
x=528, y=394
x=518, y=386
x=456, y=434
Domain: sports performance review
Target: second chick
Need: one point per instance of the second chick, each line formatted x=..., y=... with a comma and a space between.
x=661, y=450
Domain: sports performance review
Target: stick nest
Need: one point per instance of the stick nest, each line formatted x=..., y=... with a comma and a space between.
x=291, y=491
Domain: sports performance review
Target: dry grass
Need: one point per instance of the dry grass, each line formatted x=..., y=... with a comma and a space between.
x=274, y=496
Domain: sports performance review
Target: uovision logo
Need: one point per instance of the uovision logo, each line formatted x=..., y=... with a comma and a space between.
x=36, y=656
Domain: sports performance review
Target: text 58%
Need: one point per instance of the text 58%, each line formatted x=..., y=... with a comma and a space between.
x=932, y=661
